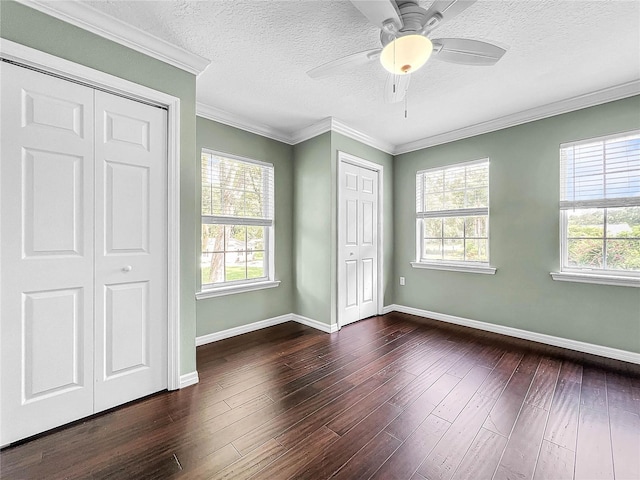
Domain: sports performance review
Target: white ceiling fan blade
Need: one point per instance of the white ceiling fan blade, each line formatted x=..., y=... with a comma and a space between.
x=378, y=11
x=345, y=64
x=396, y=94
x=442, y=11
x=466, y=52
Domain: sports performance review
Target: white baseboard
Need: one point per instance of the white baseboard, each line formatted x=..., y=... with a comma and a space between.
x=600, y=350
x=388, y=309
x=309, y=322
x=251, y=327
x=269, y=322
x=189, y=379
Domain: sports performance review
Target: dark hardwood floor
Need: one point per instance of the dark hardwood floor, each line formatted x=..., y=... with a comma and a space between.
x=385, y=398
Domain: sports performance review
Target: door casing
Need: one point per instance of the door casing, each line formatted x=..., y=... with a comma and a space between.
x=44, y=62
x=344, y=157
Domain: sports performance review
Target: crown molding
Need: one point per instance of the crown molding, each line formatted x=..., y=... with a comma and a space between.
x=88, y=18
x=347, y=131
x=299, y=136
x=313, y=130
x=222, y=116
x=599, y=97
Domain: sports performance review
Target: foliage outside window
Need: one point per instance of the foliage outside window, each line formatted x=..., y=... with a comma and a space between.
x=237, y=220
x=452, y=214
x=600, y=205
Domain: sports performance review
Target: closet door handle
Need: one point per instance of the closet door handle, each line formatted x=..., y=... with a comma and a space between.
x=127, y=269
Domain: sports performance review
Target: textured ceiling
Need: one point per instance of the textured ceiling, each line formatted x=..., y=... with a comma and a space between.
x=261, y=50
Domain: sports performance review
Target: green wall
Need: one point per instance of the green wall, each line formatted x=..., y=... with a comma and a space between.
x=312, y=216
x=29, y=27
x=220, y=313
x=524, y=235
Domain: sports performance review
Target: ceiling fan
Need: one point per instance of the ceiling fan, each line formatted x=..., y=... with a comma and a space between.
x=405, y=34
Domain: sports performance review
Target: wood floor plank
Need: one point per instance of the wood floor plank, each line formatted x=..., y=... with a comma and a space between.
x=466, y=362
x=287, y=419
x=418, y=411
x=520, y=455
x=338, y=453
x=543, y=385
x=620, y=392
x=593, y=394
x=429, y=353
x=451, y=406
x=210, y=465
x=504, y=413
x=625, y=442
x=320, y=417
x=408, y=457
x=287, y=383
x=490, y=356
x=286, y=465
x=562, y=424
x=500, y=376
x=481, y=460
x=445, y=458
x=354, y=414
x=251, y=463
x=266, y=399
x=593, y=454
x=554, y=462
x=409, y=394
x=364, y=463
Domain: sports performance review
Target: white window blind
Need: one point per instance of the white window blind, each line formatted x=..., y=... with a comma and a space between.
x=458, y=190
x=602, y=172
x=236, y=191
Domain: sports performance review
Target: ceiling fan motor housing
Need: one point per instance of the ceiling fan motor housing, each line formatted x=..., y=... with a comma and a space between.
x=413, y=18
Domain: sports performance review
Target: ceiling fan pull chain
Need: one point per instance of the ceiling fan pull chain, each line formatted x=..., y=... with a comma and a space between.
x=406, y=95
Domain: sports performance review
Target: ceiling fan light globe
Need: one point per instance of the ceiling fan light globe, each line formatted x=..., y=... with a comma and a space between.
x=406, y=54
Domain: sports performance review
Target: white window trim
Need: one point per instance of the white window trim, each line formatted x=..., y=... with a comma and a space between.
x=596, y=278
x=484, y=268
x=239, y=288
x=448, y=265
x=211, y=290
x=622, y=278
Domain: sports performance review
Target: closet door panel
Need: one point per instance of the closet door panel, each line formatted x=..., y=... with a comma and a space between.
x=46, y=252
x=131, y=251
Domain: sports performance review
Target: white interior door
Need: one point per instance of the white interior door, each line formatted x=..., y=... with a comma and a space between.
x=46, y=252
x=83, y=253
x=131, y=250
x=358, y=243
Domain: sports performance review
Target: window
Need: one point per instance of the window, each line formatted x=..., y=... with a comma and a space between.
x=452, y=217
x=237, y=221
x=600, y=205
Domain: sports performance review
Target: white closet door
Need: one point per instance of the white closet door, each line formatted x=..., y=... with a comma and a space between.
x=358, y=241
x=46, y=252
x=131, y=250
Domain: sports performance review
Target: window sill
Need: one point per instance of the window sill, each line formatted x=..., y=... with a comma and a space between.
x=230, y=290
x=620, y=281
x=454, y=267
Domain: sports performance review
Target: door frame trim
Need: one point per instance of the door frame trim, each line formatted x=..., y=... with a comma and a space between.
x=344, y=157
x=79, y=73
